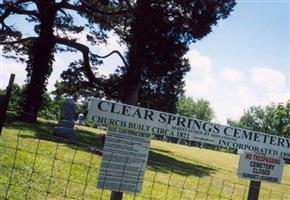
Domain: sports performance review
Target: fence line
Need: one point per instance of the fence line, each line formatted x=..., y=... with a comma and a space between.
x=55, y=168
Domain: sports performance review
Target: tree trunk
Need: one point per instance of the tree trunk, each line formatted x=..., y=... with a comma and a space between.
x=135, y=57
x=39, y=65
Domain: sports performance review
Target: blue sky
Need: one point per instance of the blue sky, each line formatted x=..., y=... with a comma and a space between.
x=243, y=62
x=253, y=32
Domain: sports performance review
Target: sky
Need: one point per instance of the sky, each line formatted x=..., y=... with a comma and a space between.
x=243, y=62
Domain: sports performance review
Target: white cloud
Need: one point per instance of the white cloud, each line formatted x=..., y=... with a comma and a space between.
x=232, y=75
x=199, y=87
x=10, y=67
x=199, y=80
x=199, y=63
x=270, y=79
x=252, y=86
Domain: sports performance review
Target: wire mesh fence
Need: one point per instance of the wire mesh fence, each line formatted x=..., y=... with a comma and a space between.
x=43, y=166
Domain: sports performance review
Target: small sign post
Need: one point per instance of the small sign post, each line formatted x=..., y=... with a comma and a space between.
x=258, y=168
x=254, y=190
x=116, y=195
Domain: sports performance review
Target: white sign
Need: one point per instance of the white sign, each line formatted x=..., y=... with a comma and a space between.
x=124, y=160
x=260, y=167
x=160, y=123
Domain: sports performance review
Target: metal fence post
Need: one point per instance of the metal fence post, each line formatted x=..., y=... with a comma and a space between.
x=254, y=190
x=116, y=195
x=4, y=102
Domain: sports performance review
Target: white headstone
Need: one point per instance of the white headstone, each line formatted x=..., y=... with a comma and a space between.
x=66, y=122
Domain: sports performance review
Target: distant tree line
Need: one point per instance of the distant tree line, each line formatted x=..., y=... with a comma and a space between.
x=186, y=106
x=50, y=108
x=273, y=119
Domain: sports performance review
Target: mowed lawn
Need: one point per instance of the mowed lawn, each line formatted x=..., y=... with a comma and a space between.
x=36, y=165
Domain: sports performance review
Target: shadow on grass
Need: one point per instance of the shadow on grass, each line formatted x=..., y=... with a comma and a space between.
x=92, y=142
x=43, y=130
x=13, y=122
x=167, y=164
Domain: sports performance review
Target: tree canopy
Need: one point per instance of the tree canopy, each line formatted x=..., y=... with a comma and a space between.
x=53, y=31
x=272, y=119
x=156, y=32
x=199, y=109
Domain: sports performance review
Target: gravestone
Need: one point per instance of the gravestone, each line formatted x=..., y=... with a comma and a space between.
x=65, y=126
x=80, y=120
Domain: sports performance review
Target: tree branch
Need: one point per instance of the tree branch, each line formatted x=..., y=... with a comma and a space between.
x=85, y=8
x=13, y=9
x=3, y=17
x=85, y=51
x=23, y=40
x=116, y=52
x=13, y=3
x=24, y=12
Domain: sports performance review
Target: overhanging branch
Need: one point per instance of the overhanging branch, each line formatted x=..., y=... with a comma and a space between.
x=85, y=8
x=85, y=51
x=13, y=9
x=12, y=3
x=94, y=13
x=23, y=40
x=114, y=52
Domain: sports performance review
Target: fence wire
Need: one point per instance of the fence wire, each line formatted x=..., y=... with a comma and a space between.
x=43, y=166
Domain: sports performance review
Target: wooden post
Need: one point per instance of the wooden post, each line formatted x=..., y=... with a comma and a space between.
x=254, y=190
x=4, y=102
x=116, y=195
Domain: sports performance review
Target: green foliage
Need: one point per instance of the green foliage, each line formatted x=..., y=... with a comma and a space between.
x=272, y=119
x=53, y=25
x=199, y=109
x=157, y=36
x=2, y=92
x=50, y=108
x=157, y=41
x=16, y=98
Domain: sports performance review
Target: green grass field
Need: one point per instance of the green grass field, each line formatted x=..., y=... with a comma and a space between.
x=35, y=165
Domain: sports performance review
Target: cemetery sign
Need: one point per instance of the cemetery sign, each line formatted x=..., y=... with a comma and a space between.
x=114, y=114
x=258, y=167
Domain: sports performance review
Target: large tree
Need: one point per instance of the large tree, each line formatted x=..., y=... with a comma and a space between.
x=157, y=33
x=157, y=23
x=53, y=23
